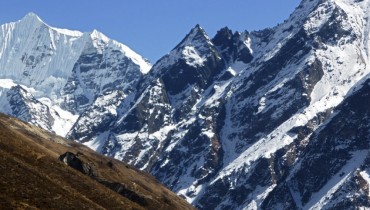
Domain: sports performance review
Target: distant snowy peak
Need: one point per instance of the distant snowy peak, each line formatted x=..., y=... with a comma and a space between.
x=31, y=23
x=62, y=71
x=32, y=52
x=31, y=18
x=35, y=55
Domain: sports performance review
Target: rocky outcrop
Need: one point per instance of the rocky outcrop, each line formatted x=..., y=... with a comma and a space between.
x=75, y=162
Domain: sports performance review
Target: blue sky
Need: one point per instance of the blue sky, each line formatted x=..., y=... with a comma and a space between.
x=152, y=27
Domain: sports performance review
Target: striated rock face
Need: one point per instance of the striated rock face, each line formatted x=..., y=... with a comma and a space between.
x=335, y=161
x=270, y=119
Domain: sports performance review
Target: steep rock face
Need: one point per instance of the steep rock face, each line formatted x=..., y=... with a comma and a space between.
x=27, y=108
x=233, y=46
x=103, y=110
x=195, y=61
x=102, y=66
x=332, y=172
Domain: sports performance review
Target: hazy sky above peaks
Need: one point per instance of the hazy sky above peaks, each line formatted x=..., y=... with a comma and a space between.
x=151, y=27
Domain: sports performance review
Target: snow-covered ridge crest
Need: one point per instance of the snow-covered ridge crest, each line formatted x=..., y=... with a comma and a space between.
x=32, y=18
x=101, y=42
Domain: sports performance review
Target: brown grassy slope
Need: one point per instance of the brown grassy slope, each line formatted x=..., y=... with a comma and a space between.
x=32, y=177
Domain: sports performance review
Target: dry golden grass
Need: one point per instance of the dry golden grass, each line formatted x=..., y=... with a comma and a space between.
x=32, y=177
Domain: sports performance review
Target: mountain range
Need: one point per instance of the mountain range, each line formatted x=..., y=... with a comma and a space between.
x=269, y=119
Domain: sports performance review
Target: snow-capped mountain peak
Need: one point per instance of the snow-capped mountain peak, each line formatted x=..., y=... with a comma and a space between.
x=197, y=35
x=95, y=34
x=63, y=71
x=195, y=50
x=31, y=18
